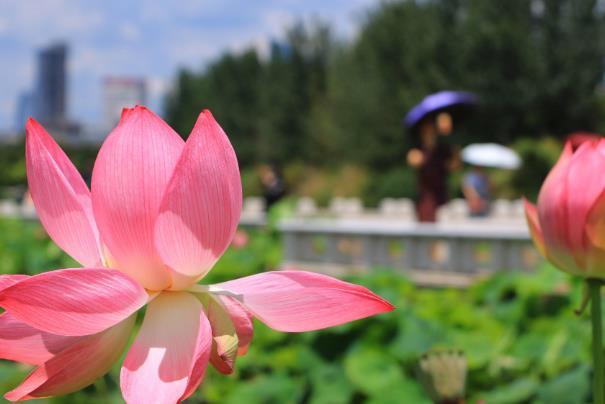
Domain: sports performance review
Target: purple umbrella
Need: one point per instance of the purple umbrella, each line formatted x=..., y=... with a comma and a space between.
x=441, y=101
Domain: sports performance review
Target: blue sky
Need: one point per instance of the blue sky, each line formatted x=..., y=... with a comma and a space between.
x=148, y=38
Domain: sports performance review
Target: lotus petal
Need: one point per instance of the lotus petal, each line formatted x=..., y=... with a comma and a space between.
x=61, y=197
x=74, y=302
x=23, y=343
x=10, y=280
x=201, y=208
x=553, y=215
x=225, y=340
x=169, y=356
x=77, y=366
x=531, y=215
x=242, y=320
x=132, y=170
x=297, y=301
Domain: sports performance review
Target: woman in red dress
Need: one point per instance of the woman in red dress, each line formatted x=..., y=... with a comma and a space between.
x=433, y=160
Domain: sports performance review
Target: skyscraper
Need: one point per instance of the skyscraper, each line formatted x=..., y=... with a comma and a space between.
x=120, y=92
x=25, y=109
x=50, y=91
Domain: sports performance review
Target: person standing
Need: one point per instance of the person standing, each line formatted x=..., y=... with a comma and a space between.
x=273, y=185
x=431, y=123
x=433, y=160
x=476, y=190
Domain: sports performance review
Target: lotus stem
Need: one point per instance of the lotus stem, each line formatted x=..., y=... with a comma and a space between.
x=597, y=341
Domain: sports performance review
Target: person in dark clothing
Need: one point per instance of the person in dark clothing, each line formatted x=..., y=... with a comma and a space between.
x=433, y=160
x=273, y=184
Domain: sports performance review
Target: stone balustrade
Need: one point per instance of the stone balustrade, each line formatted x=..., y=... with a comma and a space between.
x=346, y=238
x=402, y=209
x=434, y=254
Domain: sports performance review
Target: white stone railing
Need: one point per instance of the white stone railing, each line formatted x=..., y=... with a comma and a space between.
x=441, y=254
x=401, y=209
x=252, y=216
x=348, y=239
x=10, y=208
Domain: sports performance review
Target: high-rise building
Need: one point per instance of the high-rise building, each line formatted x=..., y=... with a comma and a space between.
x=50, y=92
x=120, y=92
x=25, y=109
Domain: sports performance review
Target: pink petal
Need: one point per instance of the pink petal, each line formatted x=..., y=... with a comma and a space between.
x=10, y=280
x=202, y=356
x=22, y=343
x=595, y=229
x=585, y=183
x=225, y=344
x=61, y=197
x=242, y=320
x=74, y=301
x=128, y=181
x=201, y=208
x=553, y=214
x=76, y=366
x=296, y=301
x=531, y=215
x=169, y=356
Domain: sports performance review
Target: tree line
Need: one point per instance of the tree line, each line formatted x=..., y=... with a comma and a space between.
x=537, y=67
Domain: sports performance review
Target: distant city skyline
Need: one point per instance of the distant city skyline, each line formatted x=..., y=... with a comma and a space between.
x=49, y=90
x=148, y=39
x=120, y=92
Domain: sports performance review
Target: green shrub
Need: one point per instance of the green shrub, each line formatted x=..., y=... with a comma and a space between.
x=538, y=157
x=398, y=182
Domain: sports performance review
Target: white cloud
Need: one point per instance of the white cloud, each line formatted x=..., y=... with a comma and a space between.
x=277, y=21
x=3, y=25
x=129, y=31
x=36, y=23
x=260, y=43
x=165, y=11
x=201, y=6
x=191, y=49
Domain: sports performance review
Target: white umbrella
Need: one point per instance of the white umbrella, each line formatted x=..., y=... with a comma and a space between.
x=491, y=155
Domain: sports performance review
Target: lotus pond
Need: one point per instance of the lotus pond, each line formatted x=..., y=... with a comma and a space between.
x=521, y=338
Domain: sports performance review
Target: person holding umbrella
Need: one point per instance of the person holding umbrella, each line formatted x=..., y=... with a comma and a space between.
x=433, y=158
x=475, y=185
x=476, y=189
x=433, y=161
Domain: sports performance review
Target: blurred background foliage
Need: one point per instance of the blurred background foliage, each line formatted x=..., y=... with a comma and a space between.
x=323, y=182
x=537, y=66
x=521, y=338
x=320, y=100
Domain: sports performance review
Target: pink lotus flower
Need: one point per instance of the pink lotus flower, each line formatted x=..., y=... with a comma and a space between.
x=567, y=225
x=240, y=239
x=160, y=213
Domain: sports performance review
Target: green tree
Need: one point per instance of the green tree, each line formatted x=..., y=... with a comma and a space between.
x=536, y=65
x=230, y=89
